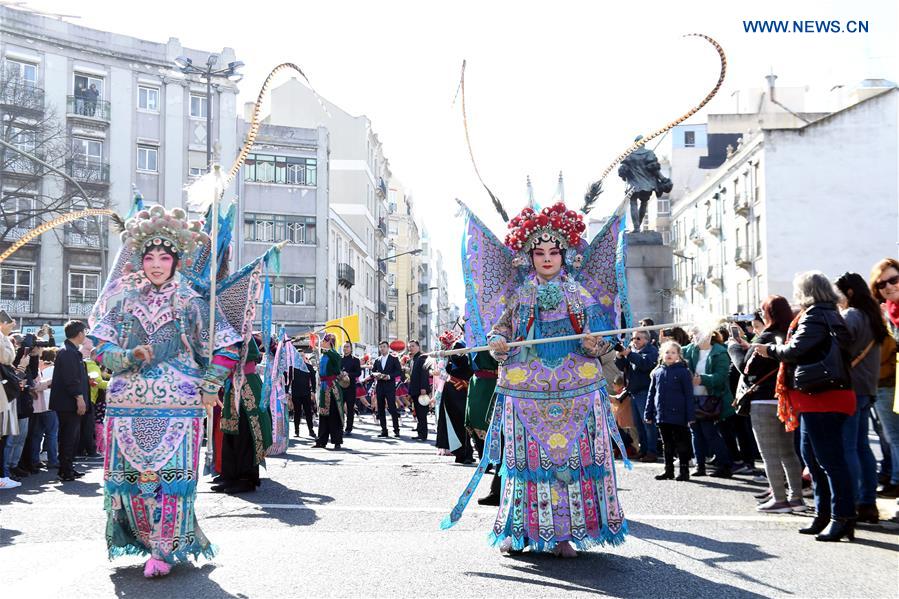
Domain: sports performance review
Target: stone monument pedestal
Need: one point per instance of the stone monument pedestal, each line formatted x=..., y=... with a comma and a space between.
x=648, y=267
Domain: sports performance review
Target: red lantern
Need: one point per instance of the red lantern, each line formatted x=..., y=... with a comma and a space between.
x=398, y=345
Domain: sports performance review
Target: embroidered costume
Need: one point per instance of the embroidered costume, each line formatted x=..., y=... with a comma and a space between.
x=154, y=413
x=552, y=428
x=481, y=390
x=247, y=432
x=330, y=399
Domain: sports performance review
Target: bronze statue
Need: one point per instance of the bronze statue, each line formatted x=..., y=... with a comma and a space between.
x=642, y=173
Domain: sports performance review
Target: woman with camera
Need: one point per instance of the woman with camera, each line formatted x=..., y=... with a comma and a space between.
x=815, y=393
x=756, y=392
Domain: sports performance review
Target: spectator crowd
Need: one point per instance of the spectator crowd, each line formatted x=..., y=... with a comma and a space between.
x=797, y=387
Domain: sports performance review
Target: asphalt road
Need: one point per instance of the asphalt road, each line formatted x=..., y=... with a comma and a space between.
x=364, y=522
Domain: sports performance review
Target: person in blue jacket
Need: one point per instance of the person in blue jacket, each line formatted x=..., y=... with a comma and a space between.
x=636, y=362
x=669, y=405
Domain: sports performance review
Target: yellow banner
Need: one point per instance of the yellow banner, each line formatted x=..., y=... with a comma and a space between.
x=341, y=327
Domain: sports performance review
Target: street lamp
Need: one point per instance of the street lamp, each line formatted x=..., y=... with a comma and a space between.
x=409, y=309
x=381, y=276
x=208, y=72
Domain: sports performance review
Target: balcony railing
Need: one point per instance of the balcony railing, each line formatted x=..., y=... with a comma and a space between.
x=393, y=293
x=21, y=94
x=383, y=307
x=696, y=236
x=742, y=257
x=346, y=275
x=382, y=187
x=741, y=203
x=713, y=224
x=85, y=237
x=88, y=170
x=382, y=226
x=16, y=164
x=91, y=109
x=16, y=304
x=714, y=275
x=698, y=282
x=18, y=232
x=81, y=305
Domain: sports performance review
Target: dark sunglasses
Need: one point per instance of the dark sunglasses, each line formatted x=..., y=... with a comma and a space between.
x=880, y=285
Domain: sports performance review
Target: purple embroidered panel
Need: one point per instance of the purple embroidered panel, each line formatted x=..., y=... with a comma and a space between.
x=555, y=424
x=599, y=274
x=490, y=279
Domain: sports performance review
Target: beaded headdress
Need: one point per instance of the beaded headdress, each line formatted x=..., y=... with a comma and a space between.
x=157, y=228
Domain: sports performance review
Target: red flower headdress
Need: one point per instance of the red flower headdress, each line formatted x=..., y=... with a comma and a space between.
x=448, y=339
x=553, y=223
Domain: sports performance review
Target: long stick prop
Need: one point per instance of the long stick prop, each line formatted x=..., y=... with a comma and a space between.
x=529, y=342
x=213, y=280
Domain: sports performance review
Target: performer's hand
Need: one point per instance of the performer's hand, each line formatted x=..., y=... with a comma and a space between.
x=697, y=380
x=81, y=410
x=144, y=353
x=211, y=400
x=499, y=346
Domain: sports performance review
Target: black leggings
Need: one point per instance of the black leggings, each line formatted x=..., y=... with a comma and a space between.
x=676, y=441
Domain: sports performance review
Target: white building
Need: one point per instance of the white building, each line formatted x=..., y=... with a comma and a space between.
x=822, y=196
x=283, y=191
x=146, y=126
x=357, y=191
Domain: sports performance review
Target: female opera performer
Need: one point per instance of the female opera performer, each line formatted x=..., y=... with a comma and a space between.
x=153, y=335
x=552, y=427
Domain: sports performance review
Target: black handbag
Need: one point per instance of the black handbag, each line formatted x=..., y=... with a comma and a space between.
x=708, y=407
x=828, y=374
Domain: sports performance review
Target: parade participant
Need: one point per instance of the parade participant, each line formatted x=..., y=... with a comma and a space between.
x=481, y=390
x=302, y=385
x=247, y=435
x=386, y=370
x=152, y=334
x=452, y=435
x=350, y=364
x=330, y=395
x=552, y=424
x=419, y=384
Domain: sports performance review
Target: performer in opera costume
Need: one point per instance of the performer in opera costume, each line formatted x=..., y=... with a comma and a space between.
x=153, y=335
x=452, y=435
x=330, y=396
x=248, y=434
x=552, y=427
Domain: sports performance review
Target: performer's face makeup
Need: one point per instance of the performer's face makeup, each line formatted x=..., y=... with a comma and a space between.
x=159, y=266
x=547, y=258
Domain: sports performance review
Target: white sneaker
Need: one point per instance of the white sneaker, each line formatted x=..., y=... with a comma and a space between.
x=8, y=483
x=798, y=506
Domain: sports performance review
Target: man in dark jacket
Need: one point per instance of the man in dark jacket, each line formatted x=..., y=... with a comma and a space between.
x=301, y=388
x=636, y=362
x=350, y=364
x=69, y=393
x=419, y=382
x=386, y=370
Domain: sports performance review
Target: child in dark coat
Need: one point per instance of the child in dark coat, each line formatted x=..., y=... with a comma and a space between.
x=669, y=404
